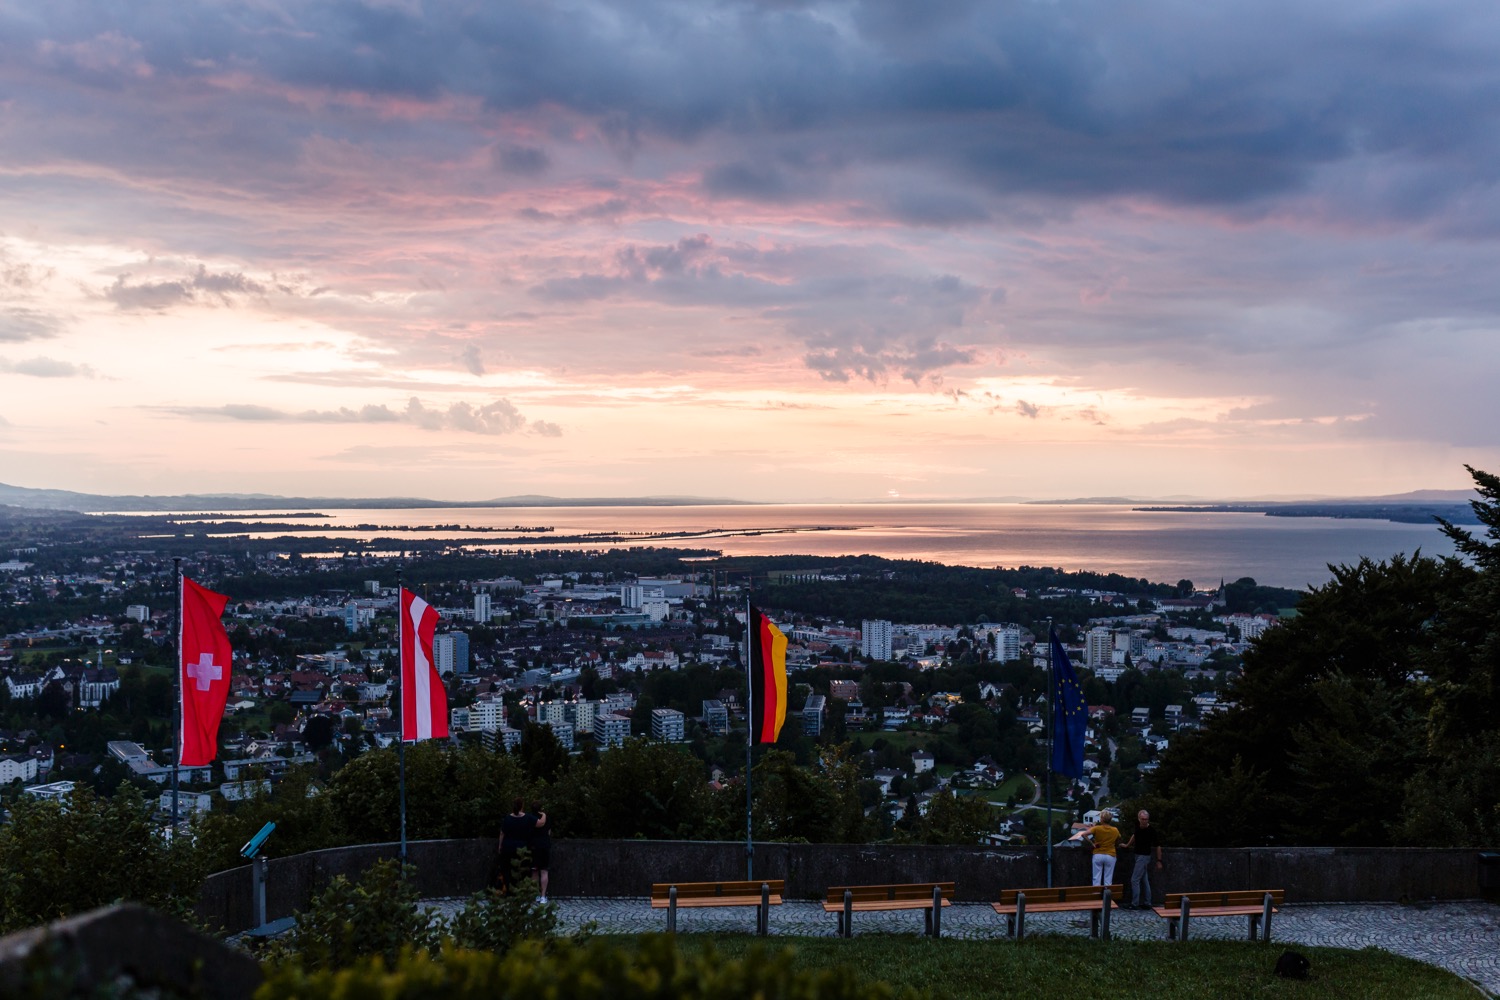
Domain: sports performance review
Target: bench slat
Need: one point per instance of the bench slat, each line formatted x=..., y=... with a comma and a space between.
x=1235, y=898
x=871, y=905
x=716, y=893
x=1059, y=894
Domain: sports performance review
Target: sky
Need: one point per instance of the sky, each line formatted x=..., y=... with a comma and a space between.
x=769, y=249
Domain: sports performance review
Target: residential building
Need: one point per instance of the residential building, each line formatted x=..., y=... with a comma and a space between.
x=57, y=791
x=451, y=651
x=564, y=732
x=503, y=738
x=921, y=761
x=581, y=714
x=138, y=613
x=632, y=595
x=813, y=713
x=668, y=724
x=875, y=639
x=188, y=803
x=1007, y=644
x=17, y=767
x=611, y=730
x=716, y=717
x=1099, y=647
x=483, y=608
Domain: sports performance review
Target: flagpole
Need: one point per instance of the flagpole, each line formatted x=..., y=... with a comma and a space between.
x=177, y=710
x=1051, y=739
x=749, y=740
x=400, y=711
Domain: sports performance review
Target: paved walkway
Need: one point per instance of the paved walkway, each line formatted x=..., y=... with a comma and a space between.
x=1460, y=937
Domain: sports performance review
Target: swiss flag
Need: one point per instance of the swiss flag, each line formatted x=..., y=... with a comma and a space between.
x=204, y=679
x=424, y=700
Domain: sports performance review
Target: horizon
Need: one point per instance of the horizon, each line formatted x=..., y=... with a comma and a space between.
x=838, y=250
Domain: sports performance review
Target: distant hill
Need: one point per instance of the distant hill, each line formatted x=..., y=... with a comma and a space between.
x=21, y=496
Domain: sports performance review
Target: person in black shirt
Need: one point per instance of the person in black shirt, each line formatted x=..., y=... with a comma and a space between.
x=541, y=848
x=1145, y=845
x=515, y=833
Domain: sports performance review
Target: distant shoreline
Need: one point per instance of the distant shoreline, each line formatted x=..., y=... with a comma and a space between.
x=1415, y=513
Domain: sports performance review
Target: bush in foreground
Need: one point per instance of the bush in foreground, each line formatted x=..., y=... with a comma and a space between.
x=651, y=969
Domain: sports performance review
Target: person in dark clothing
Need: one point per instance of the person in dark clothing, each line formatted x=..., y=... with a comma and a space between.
x=541, y=848
x=515, y=833
x=1145, y=847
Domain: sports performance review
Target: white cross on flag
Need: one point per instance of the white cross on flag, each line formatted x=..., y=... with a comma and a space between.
x=205, y=656
x=424, y=700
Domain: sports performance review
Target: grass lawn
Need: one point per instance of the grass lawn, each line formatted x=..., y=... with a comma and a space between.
x=1042, y=968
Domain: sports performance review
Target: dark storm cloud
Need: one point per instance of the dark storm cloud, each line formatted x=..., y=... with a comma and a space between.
x=1211, y=105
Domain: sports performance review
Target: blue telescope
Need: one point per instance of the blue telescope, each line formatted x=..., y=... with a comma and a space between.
x=253, y=845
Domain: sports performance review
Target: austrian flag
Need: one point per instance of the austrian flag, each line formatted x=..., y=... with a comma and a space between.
x=424, y=700
x=204, y=680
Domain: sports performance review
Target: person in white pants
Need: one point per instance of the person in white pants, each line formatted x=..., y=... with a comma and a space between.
x=1102, y=837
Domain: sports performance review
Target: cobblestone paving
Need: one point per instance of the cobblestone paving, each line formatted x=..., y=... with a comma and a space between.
x=1460, y=937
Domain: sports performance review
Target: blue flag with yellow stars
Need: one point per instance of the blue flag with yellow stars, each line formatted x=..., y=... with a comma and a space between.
x=1070, y=715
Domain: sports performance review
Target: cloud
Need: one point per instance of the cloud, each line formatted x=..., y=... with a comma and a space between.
x=498, y=417
x=1029, y=410
x=528, y=161
x=158, y=296
x=17, y=325
x=471, y=361
x=47, y=368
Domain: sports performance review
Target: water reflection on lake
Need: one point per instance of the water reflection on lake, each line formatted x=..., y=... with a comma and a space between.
x=1160, y=546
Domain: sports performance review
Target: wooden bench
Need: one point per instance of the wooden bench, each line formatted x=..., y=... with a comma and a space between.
x=759, y=893
x=930, y=897
x=1257, y=904
x=1097, y=900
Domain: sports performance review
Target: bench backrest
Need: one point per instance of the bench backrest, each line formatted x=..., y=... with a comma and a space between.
x=1244, y=897
x=890, y=893
x=1061, y=894
x=703, y=890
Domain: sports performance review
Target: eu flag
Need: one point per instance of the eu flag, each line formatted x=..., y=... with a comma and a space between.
x=1070, y=715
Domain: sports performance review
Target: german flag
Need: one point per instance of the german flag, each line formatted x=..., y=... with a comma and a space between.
x=767, y=678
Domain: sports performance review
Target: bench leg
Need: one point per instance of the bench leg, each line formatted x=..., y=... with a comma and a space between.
x=848, y=914
x=928, y=914
x=1187, y=907
x=1010, y=925
x=937, y=912
x=1254, y=926
x=1265, y=918
x=1093, y=923
x=1171, y=928
x=1020, y=915
x=763, y=917
x=1109, y=904
x=672, y=910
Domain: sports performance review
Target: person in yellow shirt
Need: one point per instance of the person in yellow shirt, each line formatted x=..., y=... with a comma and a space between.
x=1102, y=837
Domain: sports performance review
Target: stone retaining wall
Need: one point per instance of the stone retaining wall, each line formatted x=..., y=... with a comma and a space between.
x=628, y=867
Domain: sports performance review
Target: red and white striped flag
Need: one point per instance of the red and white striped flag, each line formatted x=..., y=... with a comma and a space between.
x=424, y=701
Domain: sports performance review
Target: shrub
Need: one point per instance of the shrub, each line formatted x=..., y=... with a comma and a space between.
x=376, y=916
x=497, y=922
x=651, y=969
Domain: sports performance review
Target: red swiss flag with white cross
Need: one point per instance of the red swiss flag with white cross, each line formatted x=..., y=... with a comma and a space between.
x=206, y=658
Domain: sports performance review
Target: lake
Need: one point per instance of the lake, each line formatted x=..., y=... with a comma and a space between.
x=1159, y=546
